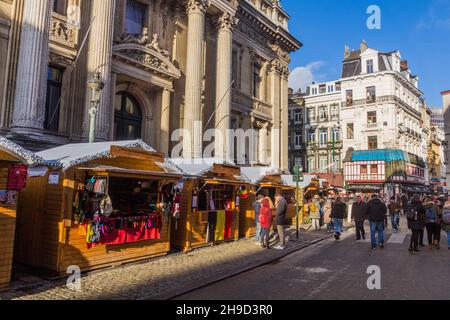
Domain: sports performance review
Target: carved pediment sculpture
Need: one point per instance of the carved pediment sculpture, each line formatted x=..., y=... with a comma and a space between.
x=145, y=53
x=144, y=40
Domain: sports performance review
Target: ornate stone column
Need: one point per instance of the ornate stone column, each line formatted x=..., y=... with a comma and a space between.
x=275, y=72
x=225, y=24
x=284, y=100
x=29, y=103
x=165, y=121
x=99, y=60
x=263, y=143
x=192, y=144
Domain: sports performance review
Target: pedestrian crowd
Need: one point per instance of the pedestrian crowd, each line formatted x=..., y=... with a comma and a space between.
x=430, y=213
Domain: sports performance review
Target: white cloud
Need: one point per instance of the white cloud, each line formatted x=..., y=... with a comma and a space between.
x=436, y=16
x=301, y=77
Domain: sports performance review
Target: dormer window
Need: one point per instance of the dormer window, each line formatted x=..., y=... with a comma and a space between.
x=135, y=17
x=369, y=66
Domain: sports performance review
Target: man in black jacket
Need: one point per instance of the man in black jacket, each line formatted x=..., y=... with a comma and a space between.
x=376, y=211
x=359, y=214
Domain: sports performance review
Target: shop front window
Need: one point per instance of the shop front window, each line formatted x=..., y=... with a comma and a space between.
x=127, y=118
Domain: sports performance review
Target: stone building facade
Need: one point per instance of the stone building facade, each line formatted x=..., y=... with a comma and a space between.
x=165, y=65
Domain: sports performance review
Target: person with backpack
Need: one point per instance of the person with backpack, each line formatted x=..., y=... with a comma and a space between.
x=376, y=212
x=394, y=213
x=432, y=223
x=359, y=214
x=338, y=214
x=415, y=213
x=314, y=213
x=446, y=220
x=265, y=221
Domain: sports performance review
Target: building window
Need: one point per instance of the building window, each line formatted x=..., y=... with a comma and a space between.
x=371, y=94
x=323, y=137
x=323, y=113
x=60, y=7
x=371, y=117
x=373, y=142
x=350, y=131
x=53, y=101
x=373, y=169
x=369, y=66
x=298, y=161
x=298, y=139
x=335, y=134
x=256, y=80
x=127, y=118
x=334, y=111
x=135, y=17
x=363, y=169
x=311, y=164
x=322, y=89
x=323, y=163
x=349, y=97
x=330, y=88
x=297, y=116
x=311, y=136
x=311, y=114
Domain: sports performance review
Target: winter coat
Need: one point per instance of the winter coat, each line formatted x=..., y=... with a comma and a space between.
x=314, y=209
x=359, y=211
x=431, y=205
x=257, y=208
x=281, y=212
x=339, y=211
x=265, y=213
x=418, y=224
x=327, y=211
x=394, y=208
x=376, y=210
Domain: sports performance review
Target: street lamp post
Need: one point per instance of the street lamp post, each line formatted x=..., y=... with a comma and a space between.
x=95, y=85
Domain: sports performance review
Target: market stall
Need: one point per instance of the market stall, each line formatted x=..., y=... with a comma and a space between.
x=15, y=165
x=209, y=203
x=268, y=181
x=106, y=203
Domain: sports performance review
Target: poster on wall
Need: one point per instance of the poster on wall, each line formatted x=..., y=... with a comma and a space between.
x=53, y=178
x=8, y=197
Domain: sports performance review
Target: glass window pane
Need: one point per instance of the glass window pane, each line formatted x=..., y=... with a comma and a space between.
x=129, y=107
x=135, y=15
x=118, y=102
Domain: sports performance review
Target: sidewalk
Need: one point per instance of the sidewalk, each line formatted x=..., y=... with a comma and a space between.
x=166, y=277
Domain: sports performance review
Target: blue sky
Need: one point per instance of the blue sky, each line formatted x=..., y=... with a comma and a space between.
x=420, y=29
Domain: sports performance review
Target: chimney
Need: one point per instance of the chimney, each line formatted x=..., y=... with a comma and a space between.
x=346, y=52
x=404, y=65
x=363, y=46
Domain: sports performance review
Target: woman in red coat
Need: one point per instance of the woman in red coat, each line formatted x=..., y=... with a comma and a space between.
x=265, y=219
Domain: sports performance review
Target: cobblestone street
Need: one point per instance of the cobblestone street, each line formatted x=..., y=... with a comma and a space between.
x=162, y=278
